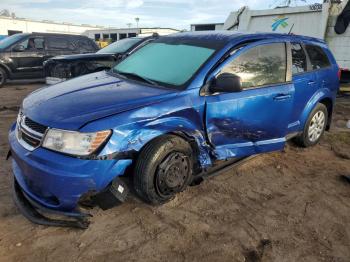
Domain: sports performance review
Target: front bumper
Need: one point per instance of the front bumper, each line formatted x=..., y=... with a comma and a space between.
x=54, y=80
x=31, y=210
x=55, y=181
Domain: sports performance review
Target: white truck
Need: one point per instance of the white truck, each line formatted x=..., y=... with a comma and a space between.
x=317, y=20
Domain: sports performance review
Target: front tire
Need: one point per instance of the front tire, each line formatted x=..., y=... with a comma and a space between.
x=3, y=77
x=163, y=169
x=314, y=127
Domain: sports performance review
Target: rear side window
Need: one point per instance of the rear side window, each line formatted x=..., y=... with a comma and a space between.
x=299, y=59
x=59, y=43
x=259, y=66
x=318, y=57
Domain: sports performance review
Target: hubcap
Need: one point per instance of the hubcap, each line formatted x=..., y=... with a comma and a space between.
x=316, y=126
x=172, y=174
x=1, y=78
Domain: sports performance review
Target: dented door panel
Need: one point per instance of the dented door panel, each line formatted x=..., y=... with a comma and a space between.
x=249, y=122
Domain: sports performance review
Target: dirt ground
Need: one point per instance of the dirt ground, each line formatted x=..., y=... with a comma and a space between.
x=283, y=206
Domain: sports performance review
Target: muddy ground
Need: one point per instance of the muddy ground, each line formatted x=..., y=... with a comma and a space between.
x=283, y=206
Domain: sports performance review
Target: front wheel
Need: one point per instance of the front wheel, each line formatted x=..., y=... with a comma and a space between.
x=314, y=127
x=163, y=169
x=3, y=77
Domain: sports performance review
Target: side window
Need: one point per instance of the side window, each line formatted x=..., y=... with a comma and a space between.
x=318, y=57
x=33, y=44
x=299, y=59
x=59, y=43
x=259, y=66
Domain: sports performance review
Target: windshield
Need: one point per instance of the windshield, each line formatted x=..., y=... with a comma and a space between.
x=8, y=41
x=119, y=47
x=169, y=64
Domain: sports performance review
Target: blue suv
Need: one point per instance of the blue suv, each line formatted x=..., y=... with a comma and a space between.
x=167, y=115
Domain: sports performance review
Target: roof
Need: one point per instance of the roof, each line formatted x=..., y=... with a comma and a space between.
x=218, y=39
x=52, y=34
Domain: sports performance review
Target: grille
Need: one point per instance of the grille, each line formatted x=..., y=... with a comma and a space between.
x=59, y=71
x=33, y=142
x=29, y=133
x=35, y=126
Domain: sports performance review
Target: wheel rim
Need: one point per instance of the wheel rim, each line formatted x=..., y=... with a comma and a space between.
x=316, y=126
x=172, y=174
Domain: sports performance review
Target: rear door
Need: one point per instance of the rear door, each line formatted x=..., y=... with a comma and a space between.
x=256, y=119
x=321, y=66
x=305, y=83
x=60, y=45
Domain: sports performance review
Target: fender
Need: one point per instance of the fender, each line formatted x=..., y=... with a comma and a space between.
x=316, y=98
x=136, y=136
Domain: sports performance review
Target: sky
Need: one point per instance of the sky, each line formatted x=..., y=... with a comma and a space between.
x=177, y=14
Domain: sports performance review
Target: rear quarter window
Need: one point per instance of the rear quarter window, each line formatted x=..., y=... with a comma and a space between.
x=85, y=45
x=318, y=57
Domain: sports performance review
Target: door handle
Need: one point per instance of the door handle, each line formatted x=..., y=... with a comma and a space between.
x=311, y=82
x=280, y=97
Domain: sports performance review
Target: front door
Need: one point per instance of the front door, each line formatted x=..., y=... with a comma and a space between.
x=256, y=119
x=28, y=57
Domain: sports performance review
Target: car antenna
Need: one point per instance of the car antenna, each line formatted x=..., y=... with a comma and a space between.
x=290, y=31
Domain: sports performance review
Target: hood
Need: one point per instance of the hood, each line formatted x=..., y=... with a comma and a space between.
x=71, y=104
x=91, y=56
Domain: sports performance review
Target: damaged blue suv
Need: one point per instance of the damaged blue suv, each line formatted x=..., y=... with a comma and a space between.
x=180, y=108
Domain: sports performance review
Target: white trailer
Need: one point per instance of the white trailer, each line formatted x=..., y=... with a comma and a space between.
x=315, y=20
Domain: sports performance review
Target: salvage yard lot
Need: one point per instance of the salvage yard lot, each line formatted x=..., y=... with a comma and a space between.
x=282, y=206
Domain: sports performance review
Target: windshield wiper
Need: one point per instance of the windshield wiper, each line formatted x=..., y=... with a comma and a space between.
x=144, y=79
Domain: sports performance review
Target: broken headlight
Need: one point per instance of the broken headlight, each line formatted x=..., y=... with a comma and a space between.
x=74, y=143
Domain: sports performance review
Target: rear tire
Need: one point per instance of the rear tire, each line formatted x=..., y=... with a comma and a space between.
x=3, y=77
x=314, y=127
x=163, y=169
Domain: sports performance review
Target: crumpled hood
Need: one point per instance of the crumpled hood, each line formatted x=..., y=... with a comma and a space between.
x=81, y=57
x=71, y=104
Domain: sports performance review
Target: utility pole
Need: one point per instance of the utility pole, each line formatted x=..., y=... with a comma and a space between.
x=137, y=22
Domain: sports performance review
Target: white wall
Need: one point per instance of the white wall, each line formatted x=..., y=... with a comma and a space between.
x=29, y=26
x=138, y=31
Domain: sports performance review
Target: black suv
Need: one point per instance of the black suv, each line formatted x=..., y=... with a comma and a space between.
x=61, y=68
x=22, y=55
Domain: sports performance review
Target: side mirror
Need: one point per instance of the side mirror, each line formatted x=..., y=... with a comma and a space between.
x=226, y=83
x=18, y=48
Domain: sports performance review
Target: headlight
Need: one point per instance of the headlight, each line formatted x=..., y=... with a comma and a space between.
x=74, y=143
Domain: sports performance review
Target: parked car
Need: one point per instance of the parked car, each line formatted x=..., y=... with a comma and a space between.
x=167, y=115
x=22, y=55
x=61, y=68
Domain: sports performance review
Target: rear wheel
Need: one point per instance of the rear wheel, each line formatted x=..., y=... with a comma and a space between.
x=3, y=77
x=314, y=127
x=163, y=169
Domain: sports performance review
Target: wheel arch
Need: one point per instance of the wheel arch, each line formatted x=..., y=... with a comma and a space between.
x=200, y=153
x=328, y=102
x=323, y=96
x=6, y=68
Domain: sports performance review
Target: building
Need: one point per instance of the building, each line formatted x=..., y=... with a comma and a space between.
x=207, y=27
x=316, y=20
x=10, y=26
x=115, y=34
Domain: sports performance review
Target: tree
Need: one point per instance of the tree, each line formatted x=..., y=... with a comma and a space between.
x=6, y=13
